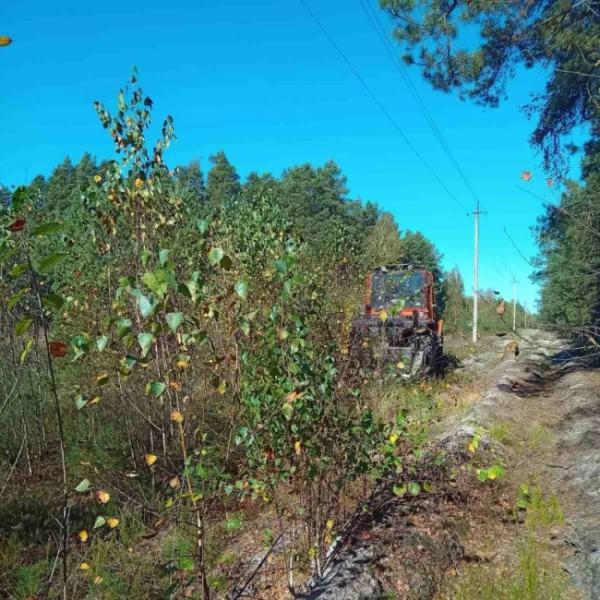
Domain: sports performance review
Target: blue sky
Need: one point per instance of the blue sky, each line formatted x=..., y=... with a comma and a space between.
x=260, y=80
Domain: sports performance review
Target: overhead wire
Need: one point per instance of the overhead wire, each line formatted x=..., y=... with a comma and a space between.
x=381, y=107
x=385, y=40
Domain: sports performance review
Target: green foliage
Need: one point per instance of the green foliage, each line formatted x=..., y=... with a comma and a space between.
x=568, y=263
x=535, y=576
x=196, y=347
x=542, y=510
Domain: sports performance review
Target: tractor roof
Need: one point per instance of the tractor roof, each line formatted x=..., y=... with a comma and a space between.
x=401, y=267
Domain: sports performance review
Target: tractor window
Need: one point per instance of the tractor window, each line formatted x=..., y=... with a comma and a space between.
x=391, y=287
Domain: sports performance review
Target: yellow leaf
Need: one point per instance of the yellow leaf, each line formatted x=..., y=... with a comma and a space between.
x=393, y=438
x=292, y=396
x=175, y=385
x=400, y=365
x=94, y=400
x=471, y=447
x=83, y=536
x=182, y=364
x=98, y=579
x=84, y=566
x=102, y=496
x=176, y=417
x=138, y=183
x=297, y=447
x=112, y=522
x=151, y=459
x=101, y=379
x=97, y=178
x=383, y=315
x=329, y=524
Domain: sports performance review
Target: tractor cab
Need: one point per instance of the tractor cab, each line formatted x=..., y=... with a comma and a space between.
x=401, y=290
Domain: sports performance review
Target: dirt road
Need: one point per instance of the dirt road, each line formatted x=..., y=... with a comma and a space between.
x=530, y=530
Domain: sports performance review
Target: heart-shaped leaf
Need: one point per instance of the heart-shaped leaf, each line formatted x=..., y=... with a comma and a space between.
x=101, y=343
x=156, y=388
x=100, y=521
x=145, y=341
x=174, y=320
x=241, y=289
x=83, y=486
x=215, y=256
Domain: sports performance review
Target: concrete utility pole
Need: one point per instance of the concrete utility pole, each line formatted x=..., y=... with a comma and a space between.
x=476, y=273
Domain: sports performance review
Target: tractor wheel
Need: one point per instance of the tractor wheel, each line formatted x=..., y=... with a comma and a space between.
x=425, y=356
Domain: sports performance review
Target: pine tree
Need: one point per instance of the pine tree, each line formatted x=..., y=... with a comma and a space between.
x=223, y=184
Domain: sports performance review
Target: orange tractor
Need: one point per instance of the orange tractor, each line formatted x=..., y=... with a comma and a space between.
x=398, y=324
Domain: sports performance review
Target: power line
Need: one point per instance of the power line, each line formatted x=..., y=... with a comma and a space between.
x=381, y=106
x=385, y=40
x=517, y=248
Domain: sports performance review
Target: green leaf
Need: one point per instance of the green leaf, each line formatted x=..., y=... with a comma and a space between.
x=186, y=564
x=100, y=521
x=145, y=256
x=51, y=261
x=482, y=474
x=241, y=289
x=80, y=345
x=202, y=225
x=83, y=486
x=26, y=350
x=145, y=341
x=190, y=289
x=15, y=298
x=163, y=257
x=48, y=228
x=157, y=388
x=495, y=472
x=157, y=282
x=80, y=402
x=414, y=489
x=53, y=301
x=23, y=325
x=234, y=523
x=174, y=320
x=101, y=343
x=399, y=490
x=215, y=256
x=17, y=271
x=123, y=328
x=146, y=305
